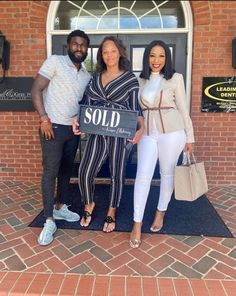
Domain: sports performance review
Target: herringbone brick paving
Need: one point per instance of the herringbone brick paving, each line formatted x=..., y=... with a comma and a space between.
x=95, y=263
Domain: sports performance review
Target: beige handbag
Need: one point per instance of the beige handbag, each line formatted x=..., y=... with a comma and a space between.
x=190, y=180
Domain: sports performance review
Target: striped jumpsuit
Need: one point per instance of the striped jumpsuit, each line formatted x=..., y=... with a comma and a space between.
x=120, y=93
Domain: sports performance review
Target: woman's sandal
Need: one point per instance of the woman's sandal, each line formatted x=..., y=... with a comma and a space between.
x=109, y=220
x=134, y=243
x=85, y=216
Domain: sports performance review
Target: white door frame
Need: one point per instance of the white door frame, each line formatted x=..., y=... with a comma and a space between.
x=188, y=30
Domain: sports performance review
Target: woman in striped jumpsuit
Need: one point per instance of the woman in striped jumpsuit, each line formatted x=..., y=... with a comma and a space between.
x=114, y=86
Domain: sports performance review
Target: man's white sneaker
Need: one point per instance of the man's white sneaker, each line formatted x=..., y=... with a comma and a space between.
x=64, y=214
x=46, y=235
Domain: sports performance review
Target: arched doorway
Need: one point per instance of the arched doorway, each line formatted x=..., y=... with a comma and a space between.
x=136, y=23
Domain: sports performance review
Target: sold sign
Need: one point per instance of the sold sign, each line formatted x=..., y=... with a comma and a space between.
x=107, y=121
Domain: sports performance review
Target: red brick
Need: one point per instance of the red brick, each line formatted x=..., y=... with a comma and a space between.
x=118, y=261
x=159, y=250
x=24, y=251
x=230, y=287
x=69, y=285
x=215, y=288
x=149, y=286
x=199, y=287
x=97, y=266
x=123, y=270
x=22, y=283
x=141, y=268
x=226, y=270
x=213, y=245
x=56, y=266
x=78, y=259
x=198, y=252
x=117, y=286
x=187, y=260
x=182, y=287
x=38, y=284
x=85, y=286
x=8, y=282
x=166, y=287
x=101, y=286
x=54, y=284
x=133, y=286
x=215, y=275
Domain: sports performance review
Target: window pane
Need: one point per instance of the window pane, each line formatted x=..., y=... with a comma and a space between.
x=91, y=60
x=96, y=8
x=109, y=21
x=142, y=7
x=137, y=58
x=110, y=15
x=85, y=22
x=65, y=15
x=173, y=16
x=151, y=21
x=128, y=21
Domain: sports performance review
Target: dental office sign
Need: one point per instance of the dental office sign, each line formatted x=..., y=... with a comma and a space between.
x=107, y=121
x=219, y=94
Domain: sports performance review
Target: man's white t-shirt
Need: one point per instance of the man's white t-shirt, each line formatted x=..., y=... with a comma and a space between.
x=65, y=90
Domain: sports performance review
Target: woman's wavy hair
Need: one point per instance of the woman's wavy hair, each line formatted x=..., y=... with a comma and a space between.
x=167, y=71
x=124, y=63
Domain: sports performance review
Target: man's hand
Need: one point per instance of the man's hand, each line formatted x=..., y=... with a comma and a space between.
x=75, y=128
x=46, y=128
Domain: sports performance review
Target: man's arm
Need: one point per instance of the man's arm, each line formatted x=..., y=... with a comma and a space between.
x=39, y=84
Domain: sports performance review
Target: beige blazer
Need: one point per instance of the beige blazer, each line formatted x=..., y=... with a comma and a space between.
x=173, y=114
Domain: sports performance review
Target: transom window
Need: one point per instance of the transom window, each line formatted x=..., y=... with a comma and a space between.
x=118, y=15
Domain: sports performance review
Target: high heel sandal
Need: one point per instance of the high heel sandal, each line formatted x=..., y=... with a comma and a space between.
x=154, y=228
x=86, y=215
x=134, y=243
x=110, y=220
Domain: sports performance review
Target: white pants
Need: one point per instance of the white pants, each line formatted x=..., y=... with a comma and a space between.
x=167, y=148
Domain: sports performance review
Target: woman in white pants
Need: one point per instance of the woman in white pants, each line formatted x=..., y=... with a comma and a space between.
x=168, y=131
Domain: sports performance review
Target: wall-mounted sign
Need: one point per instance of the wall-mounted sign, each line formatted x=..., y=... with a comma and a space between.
x=15, y=94
x=107, y=121
x=219, y=94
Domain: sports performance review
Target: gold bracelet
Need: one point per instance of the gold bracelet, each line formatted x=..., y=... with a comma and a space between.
x=45, y=121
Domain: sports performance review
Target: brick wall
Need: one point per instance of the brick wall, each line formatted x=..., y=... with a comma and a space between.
x=24, y=24
x=214, y=29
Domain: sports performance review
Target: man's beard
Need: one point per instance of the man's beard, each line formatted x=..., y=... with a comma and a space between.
x=76, y=60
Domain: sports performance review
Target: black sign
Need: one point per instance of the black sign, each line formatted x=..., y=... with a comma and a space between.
x=107, y=121
x=15, y=94
x=219, y=94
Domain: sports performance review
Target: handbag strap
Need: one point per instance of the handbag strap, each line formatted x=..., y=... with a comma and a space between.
x=159, y=109
x=189, y=158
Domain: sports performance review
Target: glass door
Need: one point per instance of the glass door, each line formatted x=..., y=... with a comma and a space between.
x=135, y=45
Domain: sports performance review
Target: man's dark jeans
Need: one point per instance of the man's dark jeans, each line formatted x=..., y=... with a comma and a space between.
x=58, y=157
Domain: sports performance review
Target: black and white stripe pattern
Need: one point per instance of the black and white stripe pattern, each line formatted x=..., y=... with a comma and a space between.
x=121, y=93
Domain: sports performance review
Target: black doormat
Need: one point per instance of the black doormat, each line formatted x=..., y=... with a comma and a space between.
x=182, y=218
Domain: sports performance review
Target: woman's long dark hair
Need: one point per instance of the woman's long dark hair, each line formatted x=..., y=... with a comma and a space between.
x=167, y=71
x=124, y=63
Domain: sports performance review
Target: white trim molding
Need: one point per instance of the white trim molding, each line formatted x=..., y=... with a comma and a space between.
x=188, y=29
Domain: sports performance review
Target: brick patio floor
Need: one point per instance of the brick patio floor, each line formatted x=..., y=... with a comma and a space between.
x=93, y=263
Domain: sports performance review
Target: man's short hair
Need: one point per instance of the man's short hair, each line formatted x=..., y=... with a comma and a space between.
x=78, y=33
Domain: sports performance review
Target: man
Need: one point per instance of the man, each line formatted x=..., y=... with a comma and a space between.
x=56, y=92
